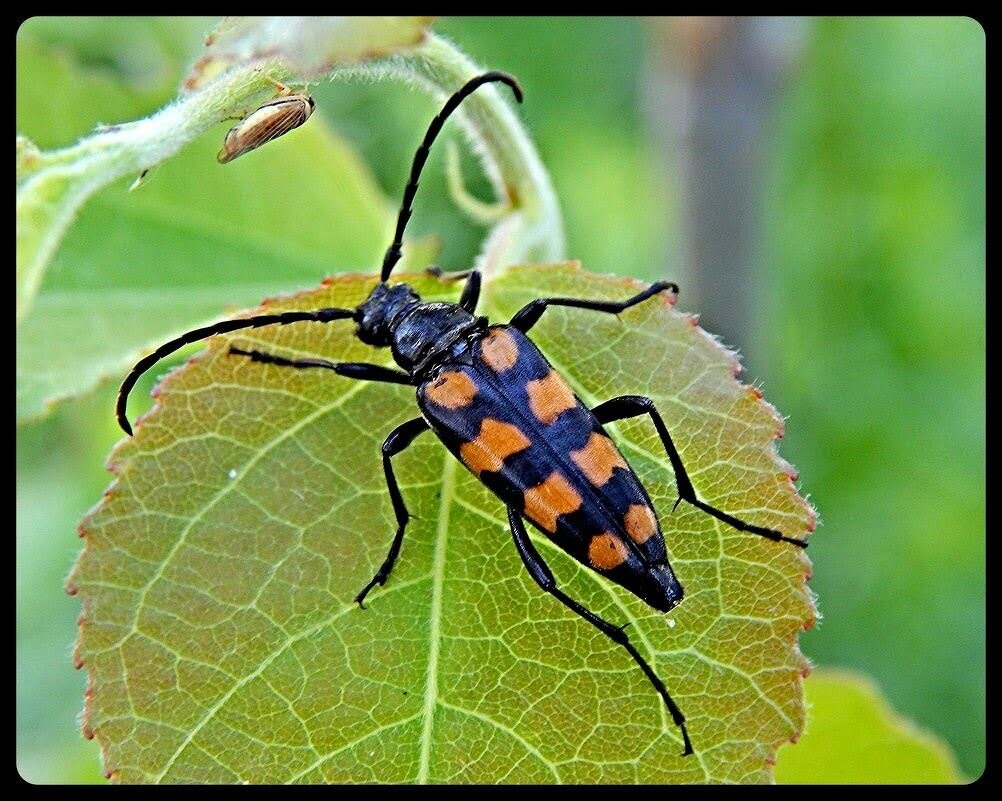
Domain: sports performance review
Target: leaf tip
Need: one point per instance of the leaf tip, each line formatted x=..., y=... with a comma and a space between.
x=28, y=156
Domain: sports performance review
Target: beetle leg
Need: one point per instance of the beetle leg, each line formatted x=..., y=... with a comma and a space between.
x=544, y=578
x=359, y=370
x=442, y=275
x=526, y=317
x=399, y=438
x=636, y=405
x=471, y=292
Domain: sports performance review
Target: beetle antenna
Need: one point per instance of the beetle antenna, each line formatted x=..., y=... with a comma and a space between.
x=393, y=251
x=224, y=327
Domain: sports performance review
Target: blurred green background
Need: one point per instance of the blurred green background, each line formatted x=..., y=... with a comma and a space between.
x=858, y=250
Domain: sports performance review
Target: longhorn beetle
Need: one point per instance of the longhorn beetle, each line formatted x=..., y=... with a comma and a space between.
x=492, y=398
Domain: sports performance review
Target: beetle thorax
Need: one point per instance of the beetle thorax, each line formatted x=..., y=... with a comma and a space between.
x=396, y=317
x=430, y=330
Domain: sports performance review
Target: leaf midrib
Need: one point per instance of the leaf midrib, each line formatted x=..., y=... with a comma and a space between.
x=435, y=623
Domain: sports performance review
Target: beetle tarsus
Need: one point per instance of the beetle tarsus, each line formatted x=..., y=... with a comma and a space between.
x=685, y=740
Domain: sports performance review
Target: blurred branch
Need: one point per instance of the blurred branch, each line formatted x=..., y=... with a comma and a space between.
x=712, y=85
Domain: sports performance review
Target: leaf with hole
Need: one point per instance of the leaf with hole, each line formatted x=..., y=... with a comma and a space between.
x=218, y=627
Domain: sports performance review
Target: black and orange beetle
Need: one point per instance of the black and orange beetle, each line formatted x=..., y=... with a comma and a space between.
x=489, y=394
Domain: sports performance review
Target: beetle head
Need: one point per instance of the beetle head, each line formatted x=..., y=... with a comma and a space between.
x=378, y=312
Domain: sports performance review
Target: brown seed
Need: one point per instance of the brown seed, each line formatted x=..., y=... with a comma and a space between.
x=269, y=121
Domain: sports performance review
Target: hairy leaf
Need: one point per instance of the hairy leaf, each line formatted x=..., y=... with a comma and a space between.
x=218, y=627
x=853, y=736
x=139, y=267
x=310, y=46
x=52, y=186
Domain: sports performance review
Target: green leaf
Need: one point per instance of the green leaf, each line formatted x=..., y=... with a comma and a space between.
x=143, y=266
x=196, y=238
x=218, y=627
x=138, y=268
x=242, y=57
x=853, y=736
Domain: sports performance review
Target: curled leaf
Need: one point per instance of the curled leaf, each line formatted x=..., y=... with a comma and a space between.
x=309, y=46
x=474, y=207
x=218, y=627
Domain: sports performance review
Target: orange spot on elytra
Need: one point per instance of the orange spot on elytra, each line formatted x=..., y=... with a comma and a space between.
x=547, y=501
x=549, y=396
x=495, y=443
x=499, y=350
x=607, y=551
x=598, y=458
x=640, y=523
x=451, y=389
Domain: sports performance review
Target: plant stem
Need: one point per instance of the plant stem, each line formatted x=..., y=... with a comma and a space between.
x=533, y=231
x=53, y=186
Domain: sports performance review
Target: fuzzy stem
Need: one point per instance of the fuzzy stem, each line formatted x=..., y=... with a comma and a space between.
x=52, y=186
x=533, y=230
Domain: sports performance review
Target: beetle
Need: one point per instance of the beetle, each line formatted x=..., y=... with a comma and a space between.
x=489, y=394
x=268, y=121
